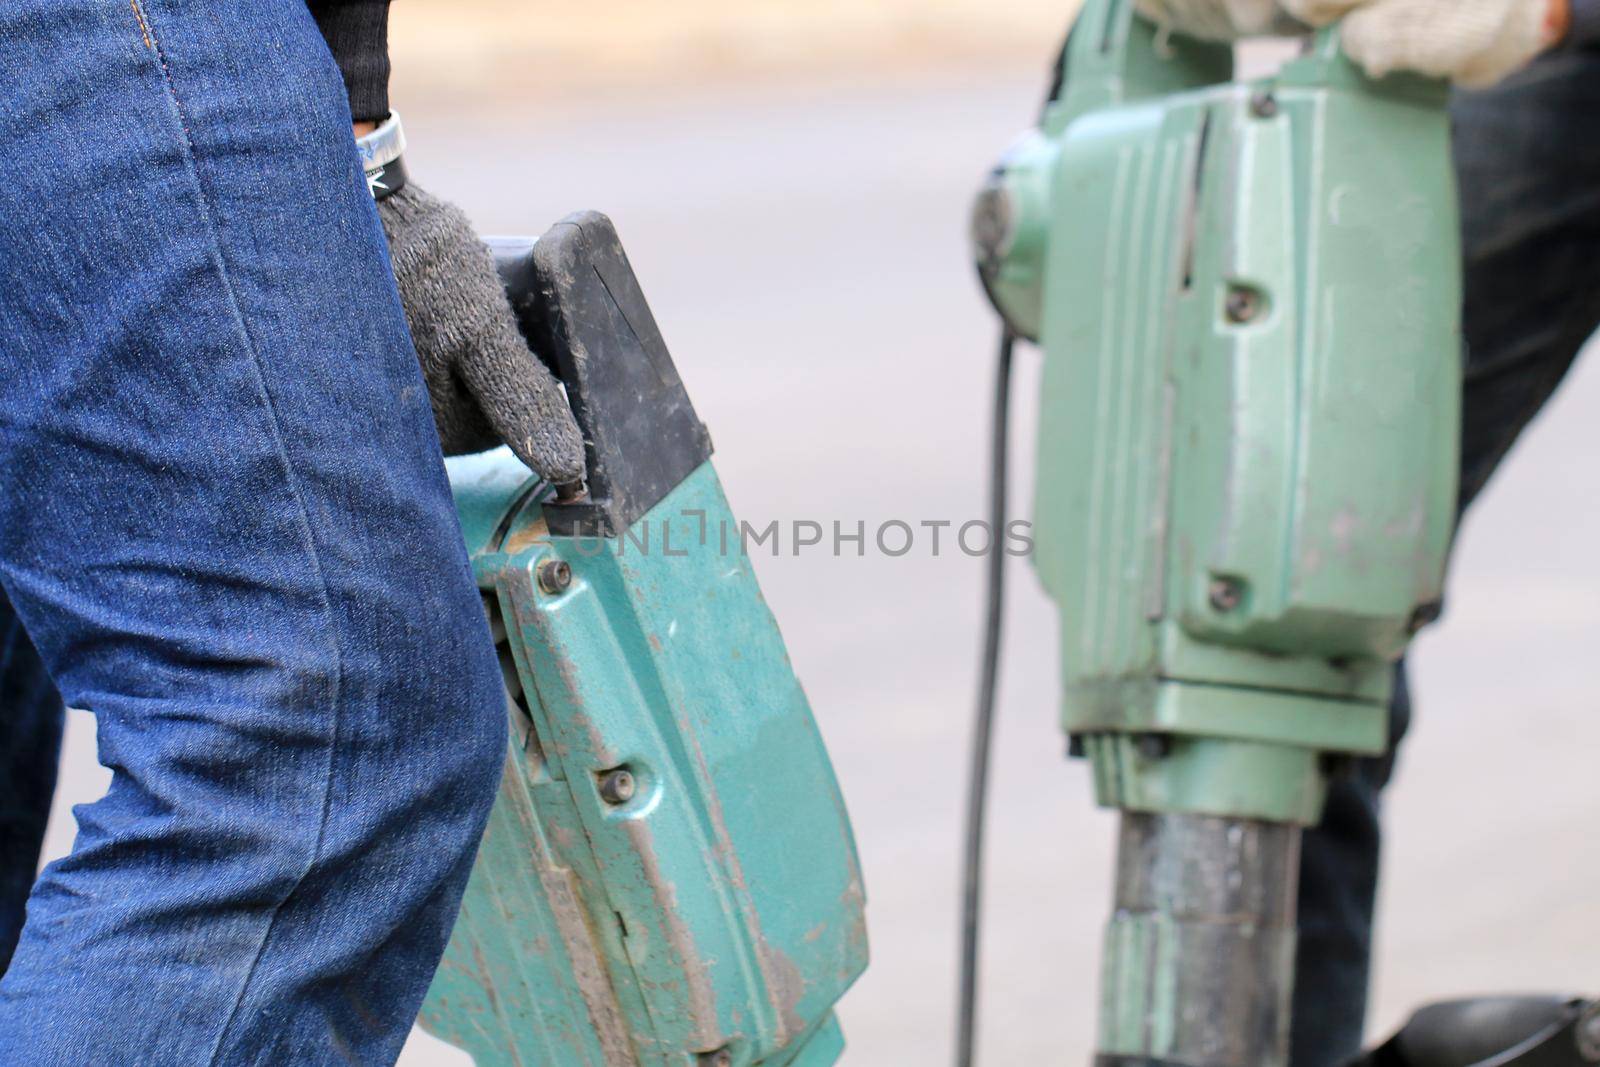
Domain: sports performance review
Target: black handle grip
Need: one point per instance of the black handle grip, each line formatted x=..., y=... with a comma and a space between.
x=581, y=308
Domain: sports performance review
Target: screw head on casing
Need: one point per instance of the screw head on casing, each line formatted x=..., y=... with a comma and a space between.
x=1264, y=105
x=617, y=786
x=1425, y=615
x=1226, y=595
x=555, y=575
x=1242, y=305
x=1155, y=746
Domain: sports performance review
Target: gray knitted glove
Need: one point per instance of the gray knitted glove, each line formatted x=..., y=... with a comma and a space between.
x=486, y=385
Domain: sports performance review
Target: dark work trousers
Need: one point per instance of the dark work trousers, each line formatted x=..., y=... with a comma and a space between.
x=1529, y=165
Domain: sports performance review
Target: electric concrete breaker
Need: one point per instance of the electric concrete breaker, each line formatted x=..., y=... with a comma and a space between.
x=1248, y=297
x=1248, y=300
x=668, y=878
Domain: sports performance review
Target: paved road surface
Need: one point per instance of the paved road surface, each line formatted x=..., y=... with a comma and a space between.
x=804, y=251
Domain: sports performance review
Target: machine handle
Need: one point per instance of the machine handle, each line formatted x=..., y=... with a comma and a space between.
x=1114, y=58
x=580, y=305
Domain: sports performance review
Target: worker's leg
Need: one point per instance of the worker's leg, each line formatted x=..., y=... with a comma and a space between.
x=1338, y=890
x=1528, y=155
x=30, y=745
x=225, y=524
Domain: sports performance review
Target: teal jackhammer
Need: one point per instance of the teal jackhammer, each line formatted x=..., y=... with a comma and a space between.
x=668, y=878
x=1247, y=295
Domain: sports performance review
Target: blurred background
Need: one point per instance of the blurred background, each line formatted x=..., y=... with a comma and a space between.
x=791, y=178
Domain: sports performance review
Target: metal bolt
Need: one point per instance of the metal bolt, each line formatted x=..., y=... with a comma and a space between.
x=1242, y=305
x=1264, y=105
x=720, y=1058
x=1425, y=615
x=1587, y=1033
x=617, y=786
x=1155, y=746
x=555, y=575
x=1226, y=594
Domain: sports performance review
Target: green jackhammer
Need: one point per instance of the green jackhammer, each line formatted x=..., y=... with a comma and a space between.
x=1248, y=297
x=668, y=877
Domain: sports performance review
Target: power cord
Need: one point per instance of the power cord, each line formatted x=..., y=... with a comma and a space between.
x=983, y=725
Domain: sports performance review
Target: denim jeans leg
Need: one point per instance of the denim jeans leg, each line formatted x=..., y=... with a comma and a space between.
x=31, y=717
x=1528, y=160
x=226, y=527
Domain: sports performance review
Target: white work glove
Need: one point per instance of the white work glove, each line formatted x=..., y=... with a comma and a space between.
x=1471, y=42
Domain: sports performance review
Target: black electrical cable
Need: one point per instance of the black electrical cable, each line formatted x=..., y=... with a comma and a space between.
x=983, y=725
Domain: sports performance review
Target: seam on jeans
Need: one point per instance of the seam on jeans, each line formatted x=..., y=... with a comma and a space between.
x=144, y=27
x=302, y=515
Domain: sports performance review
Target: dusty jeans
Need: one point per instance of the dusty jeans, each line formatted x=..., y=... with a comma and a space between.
x=1528, y=156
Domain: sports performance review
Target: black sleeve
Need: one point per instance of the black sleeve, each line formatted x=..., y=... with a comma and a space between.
x=357, y=32
x=1585, y=29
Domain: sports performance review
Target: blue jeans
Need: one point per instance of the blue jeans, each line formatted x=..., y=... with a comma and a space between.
x=225, y=529
x=1529, y=165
